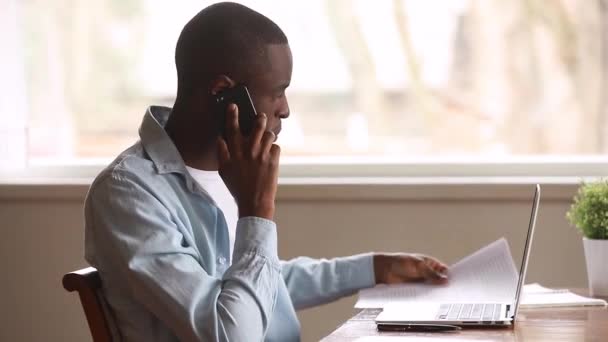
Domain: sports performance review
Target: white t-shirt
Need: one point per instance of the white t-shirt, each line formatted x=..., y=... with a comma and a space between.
x=213, y=184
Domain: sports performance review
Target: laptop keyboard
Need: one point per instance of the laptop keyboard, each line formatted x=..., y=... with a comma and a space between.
x=481, y=312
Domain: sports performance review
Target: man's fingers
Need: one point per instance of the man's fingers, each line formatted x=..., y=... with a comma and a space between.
x=275, y=153
x=434, y=271
x=416, y=268
x=257, y=134
x=232, y=118
x=233, y=131
x=429, y=274
x=222, y=151
x=268, y=139
x=436, y=264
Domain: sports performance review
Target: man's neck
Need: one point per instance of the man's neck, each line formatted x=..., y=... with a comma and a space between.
x=196, y=146
x=206, y=161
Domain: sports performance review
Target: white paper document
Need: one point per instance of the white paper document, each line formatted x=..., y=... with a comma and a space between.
x=537, y=296
x=487, y=275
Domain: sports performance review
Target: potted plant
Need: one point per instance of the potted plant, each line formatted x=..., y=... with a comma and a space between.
x=589, y=213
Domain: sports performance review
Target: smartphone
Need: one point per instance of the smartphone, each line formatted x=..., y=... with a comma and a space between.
x=238, y=95
x=417, y=327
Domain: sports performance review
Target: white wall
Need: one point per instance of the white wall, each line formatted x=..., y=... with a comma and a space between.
x=42, y=239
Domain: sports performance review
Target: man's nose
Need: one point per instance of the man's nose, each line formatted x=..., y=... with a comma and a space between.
x=284, y=112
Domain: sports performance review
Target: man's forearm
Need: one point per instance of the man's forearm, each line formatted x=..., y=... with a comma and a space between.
x=313, y=282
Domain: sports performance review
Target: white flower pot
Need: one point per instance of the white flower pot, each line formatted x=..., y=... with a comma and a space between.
x=596, y=255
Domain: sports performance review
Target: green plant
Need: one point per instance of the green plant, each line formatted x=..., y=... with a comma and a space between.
x=589, y=212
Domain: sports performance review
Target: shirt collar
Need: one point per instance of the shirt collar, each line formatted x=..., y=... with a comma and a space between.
x=158, y=144
x=161, y=149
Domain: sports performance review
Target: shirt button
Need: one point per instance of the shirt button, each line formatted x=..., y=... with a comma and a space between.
x=221, y=260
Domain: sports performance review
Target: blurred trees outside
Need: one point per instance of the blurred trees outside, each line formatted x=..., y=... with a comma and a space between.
x=480, y=77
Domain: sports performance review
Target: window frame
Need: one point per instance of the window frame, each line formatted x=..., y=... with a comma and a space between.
x=360, y=170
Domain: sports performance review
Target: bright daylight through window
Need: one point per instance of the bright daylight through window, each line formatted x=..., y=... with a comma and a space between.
x=396, y=79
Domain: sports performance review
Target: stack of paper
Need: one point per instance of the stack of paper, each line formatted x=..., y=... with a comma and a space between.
x=488, y=275
x=537, y=296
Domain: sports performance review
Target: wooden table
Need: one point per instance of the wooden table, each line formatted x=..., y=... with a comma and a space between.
x=555, y=324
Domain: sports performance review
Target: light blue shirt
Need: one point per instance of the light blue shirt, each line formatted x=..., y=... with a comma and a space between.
x=162, y=249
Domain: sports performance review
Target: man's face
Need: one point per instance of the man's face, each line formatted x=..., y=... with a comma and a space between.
x=268, y=87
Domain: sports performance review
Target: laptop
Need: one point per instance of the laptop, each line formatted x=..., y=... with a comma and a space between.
x=468, y=313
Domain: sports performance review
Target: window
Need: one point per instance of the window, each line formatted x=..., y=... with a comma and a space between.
x=387, y=79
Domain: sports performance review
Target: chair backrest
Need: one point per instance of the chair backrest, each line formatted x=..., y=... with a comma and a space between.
x=88, y=284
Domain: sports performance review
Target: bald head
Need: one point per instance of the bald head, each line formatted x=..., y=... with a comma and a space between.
x=223, y=39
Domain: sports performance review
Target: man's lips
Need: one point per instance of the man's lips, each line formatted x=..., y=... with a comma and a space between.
x=276, y=131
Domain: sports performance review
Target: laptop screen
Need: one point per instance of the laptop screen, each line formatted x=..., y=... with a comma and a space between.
x=528, y=244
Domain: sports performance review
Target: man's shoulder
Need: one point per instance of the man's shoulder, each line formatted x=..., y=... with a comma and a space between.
x=132, y=165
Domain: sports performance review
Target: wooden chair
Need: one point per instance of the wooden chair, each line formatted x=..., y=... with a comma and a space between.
x=88, y=284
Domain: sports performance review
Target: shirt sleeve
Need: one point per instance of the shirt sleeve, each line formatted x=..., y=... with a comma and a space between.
x=313, y=282
x=142, y=245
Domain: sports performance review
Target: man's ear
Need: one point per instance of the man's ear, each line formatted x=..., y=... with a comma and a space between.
x=220, y=83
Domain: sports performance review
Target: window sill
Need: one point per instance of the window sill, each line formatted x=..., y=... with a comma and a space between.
x=361, y=179
x=344, y=188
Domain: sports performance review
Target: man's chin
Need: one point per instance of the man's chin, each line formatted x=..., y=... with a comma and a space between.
x=276, y=134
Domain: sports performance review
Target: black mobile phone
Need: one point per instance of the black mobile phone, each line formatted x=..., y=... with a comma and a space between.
x=238, y=95
x=417, y=327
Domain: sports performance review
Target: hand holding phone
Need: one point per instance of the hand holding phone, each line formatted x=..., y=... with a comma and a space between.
x=249, y=165
x=239, y=95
